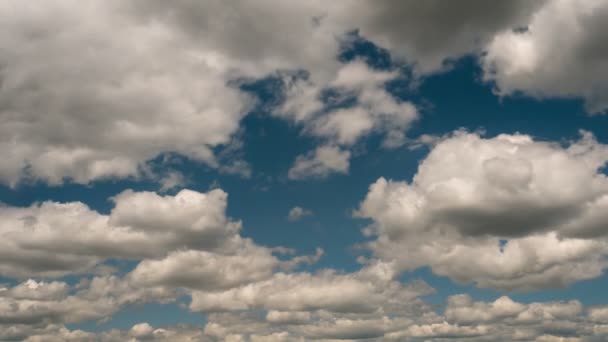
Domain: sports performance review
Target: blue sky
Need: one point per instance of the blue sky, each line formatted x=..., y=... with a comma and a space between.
x=443, y=164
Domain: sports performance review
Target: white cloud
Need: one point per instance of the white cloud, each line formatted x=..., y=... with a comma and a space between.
x=320, y=163
x=430, y=33
x=506, y=212
x=560, y=54
x=461, y=309
x=365, y=291
x=297, y=213
x=207, y=270
x=287, y=317
x=161, y=85
x=172, y=180
x=188, y=230
x=463, y=320
x=38, y=303
x=79, y=101
x=376, y=108
x=438, y=330
x=375, y=111
x=53, y=239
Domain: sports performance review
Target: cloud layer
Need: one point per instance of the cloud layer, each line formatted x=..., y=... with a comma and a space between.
x=97, y=90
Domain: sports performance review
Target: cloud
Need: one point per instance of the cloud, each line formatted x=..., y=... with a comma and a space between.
x=287, y=317
x=207, y=270
x=462, y=320
x=364, y=291
x=172, y=180
x=40, y=303
x=558, y=321
x=255, y=44
x=541, y=64
x=54, y=239
x=506, y=212
x=99, y=104
x=248, y=293
x=429, y=33
x=158, y=87
x=189, y=229
x=374, y=110
x=94, y=91
x=461, y=309
x=297, y=213
x=320, y=163
x=439, y=330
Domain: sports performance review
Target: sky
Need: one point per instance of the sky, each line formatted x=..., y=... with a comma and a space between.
x=303, y=170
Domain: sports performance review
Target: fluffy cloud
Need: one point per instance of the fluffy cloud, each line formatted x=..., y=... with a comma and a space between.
x=139, y=332
x=541, y=63
x=156, y=87
x=462, y=320
x=461, y=309
x=186, y=236
x=326, y=305
x=429, y=33
x=374, y=110
x=297, y=213
x=39, y=303
x=79, y=101
x=207, y=270
x=439, y=330
x=425, y=34
x=506, y=212
x=53, y=239
x=99, y=104
x=368, y=290
x=91, y=91
x=320, y=163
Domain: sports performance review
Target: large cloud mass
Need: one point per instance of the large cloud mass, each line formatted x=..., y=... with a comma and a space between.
x=53, y=239
x=506, y=212
x=88, y=92
x=97, y=89
x=561, y=52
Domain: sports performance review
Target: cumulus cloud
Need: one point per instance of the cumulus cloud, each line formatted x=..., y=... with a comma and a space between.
x=207, y=270
x=99, y=104
x=374, y=110
x=320, y=163
x=439, y=330
x=297, y=213
x=39, y=303
x=172, y=180
x=558, y=321
x=93, y=91
x=461, y=309
x=188, y=231
x=54, y=239
x=505, y=212
x=430, y=33
x=462, y=320
x=541, y=63
x=370, y=289
x=155, y=88
x=237, y=284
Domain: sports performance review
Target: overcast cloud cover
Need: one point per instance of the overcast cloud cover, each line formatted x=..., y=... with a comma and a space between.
x=274, y=170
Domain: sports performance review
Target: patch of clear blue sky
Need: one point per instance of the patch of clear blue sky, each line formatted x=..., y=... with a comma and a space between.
x=448, y=101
